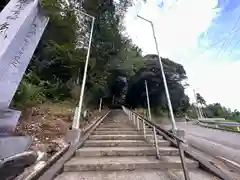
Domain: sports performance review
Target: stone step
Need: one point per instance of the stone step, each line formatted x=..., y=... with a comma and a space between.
x=195, y=174
x=117, y=137
x=118, y=132
x=121, y=137
x=114, y=175
x=126, y=163
x=122, y=143
x=115, y=126
x=115, y=121
x=125, y=151
x=116, y=129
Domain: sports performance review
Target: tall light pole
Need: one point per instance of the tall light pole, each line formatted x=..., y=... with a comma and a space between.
x=113, y=99
x=100, y=105
x=148, y=102
x=163, y=75
x=76, y=124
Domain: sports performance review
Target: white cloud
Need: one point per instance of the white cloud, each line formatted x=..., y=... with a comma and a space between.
x=177, y=29
x=178, y=26
x=217, y=82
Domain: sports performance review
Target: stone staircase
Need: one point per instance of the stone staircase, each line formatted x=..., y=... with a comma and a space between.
x=116, y=150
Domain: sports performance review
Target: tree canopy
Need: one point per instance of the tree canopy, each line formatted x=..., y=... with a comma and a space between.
x=151, y=72
x=200, y=99
x=116, y=65
x=213, y=110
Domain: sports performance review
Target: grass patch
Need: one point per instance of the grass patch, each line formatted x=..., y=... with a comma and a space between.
x=229, y=128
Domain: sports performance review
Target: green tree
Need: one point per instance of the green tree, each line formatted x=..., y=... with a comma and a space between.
x=116, y=66
x=200, y=99
x=56, y=60
x=151, y=72
x=217, y=110
x=115, y=57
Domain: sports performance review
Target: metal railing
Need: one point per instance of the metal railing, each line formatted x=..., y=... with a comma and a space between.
x=47, y=170
x=141, y=123
x=220, y=124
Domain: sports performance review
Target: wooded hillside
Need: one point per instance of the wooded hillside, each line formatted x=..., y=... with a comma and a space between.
x=116, y=67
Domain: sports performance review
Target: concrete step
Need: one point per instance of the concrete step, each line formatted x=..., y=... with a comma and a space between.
x=121, y=137
x=125, y=151
x=115, y=126
x=114, y=175
x=121, y=125
x=117, y=137
x=122, y=143
x=118, y=132
x=195, y=174
x=126, y=163
x=115, y=122
x=116, y=129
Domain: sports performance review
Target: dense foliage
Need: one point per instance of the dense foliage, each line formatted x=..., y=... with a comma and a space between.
x=151, y=72
x=116, y=66
x=214, y=110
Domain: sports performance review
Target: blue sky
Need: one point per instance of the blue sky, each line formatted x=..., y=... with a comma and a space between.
x=228, y=20
x=185, y=29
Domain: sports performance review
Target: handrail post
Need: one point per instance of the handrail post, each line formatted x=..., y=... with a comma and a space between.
x=144, y=130
x=137, y=122
x=100, y=105
x=140, y=123
x=134, y=118
x=156, y=142
x=180, y=134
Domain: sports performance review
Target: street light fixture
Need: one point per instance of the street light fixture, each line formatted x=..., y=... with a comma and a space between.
x=174, y=127
x=76, y=124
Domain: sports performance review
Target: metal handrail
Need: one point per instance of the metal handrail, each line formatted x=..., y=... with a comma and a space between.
x=159, y=128
x=133, y=115
x=223, y=123
x=54, y=166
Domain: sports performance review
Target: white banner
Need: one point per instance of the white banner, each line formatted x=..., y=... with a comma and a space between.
x=20, y=48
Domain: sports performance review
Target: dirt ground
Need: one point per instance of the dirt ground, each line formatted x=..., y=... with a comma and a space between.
x=48, y=123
